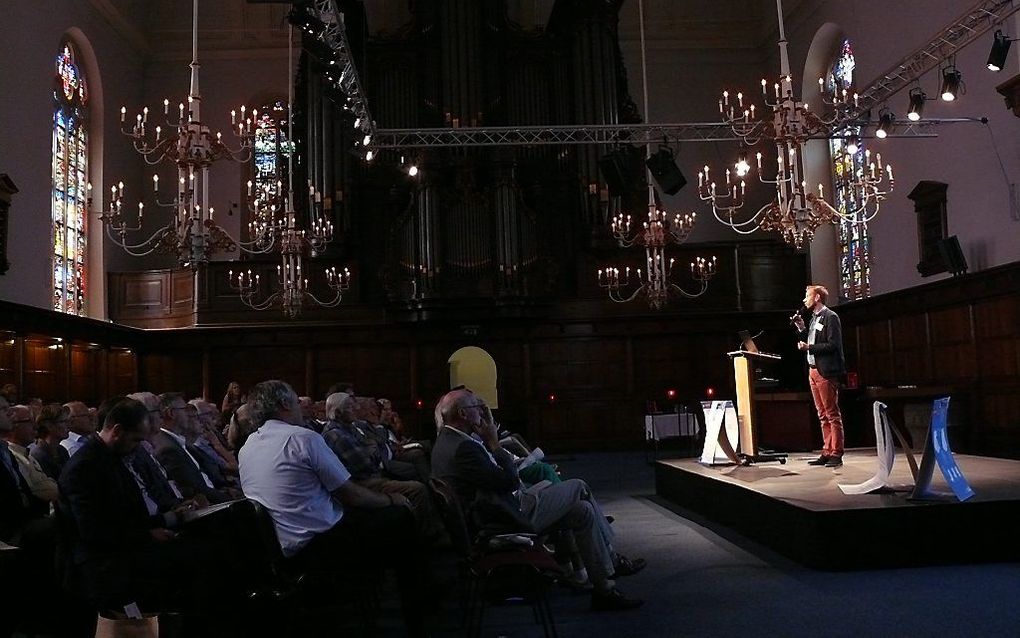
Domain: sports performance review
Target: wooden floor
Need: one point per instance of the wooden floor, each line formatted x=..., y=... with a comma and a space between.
x=798, y=510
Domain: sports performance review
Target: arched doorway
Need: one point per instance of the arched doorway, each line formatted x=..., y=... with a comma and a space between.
x=475, y=369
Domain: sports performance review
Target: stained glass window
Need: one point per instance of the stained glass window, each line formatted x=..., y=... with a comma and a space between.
x=70, y=179
x=272, y=147
x=847, y=168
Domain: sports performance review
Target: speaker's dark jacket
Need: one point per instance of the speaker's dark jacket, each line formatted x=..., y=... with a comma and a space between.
x=828, y=345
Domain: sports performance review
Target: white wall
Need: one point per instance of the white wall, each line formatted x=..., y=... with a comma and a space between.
x=32, y=32
x=685, y=84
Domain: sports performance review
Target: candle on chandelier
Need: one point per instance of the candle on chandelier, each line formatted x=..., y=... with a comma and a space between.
x=145, y=114
x=212, y=212
x=180, y=108
x=140, y=207
x=155, y=183
x=233, y=117
x=726, y=97
x=764, y=87
x=123, y=113
x=777, y=90
x=888, y=168
x=120, y=187
x=821, y=193
x=166, y=106
x=740, y=100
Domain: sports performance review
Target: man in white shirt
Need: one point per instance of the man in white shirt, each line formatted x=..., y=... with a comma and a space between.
x=20, y=434
x=322, y=518
x=79, y=426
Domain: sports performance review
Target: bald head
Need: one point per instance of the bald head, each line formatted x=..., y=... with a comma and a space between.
x=457, y=410
x=340, y=407
x=19, y=426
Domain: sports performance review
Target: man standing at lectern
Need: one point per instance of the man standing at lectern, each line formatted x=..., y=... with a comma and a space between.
x=822, y=340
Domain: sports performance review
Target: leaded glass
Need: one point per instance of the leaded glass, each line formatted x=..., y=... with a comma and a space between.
x=854, y=258
x=70, y=177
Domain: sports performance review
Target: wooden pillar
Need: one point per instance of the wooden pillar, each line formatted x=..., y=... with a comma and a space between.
x=310, y=371
x=206, y=374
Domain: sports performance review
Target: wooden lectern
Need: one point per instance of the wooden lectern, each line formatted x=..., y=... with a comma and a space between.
x=743, y=375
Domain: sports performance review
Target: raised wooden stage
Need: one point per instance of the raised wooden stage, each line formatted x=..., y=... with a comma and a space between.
x=797, y=510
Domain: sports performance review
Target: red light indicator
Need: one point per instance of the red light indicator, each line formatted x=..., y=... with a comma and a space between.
x=671, y=393
x=552, y=398
x=419, y=404
x=710, y=392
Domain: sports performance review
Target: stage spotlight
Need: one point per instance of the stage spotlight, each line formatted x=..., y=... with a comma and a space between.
x=885, y=122
x=412, y=171
x=916, y=110
x=1000, y=49
x=951, y=79
x=853, y=144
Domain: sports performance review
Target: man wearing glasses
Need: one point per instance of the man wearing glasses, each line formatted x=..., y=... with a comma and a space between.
x=467, y=454
x=79, y=426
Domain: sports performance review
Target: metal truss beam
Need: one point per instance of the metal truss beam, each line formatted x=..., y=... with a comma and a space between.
x=636, y=134
x=978, y=20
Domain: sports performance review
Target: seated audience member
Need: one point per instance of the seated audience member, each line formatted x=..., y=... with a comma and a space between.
x=209, y=440
x=119, y=553
x=9, y=393
x=322, y=518
x=308, y=414
x=206, y=461
x=80, y=425
x=50, y=430
x=483, y=470
x=405, y=449
x=19, y=434
x=233, y=398
x=239, y=428
x=151, y=477
x=363, y=452
x=171, y=449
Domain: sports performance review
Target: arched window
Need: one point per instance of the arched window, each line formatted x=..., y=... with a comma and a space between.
x=272, y=148
x=70, y=179
x=854, y=266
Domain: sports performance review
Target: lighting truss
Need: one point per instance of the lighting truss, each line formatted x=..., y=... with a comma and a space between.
x=637, y=134
x=978, y=20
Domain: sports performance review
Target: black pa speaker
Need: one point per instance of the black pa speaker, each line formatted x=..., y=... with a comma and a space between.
x=614, y=170
x=665, y=171
x=952, y=255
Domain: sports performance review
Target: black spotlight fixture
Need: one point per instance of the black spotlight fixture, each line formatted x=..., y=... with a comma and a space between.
x=951, y=82
x=665, y=172
x=1000, y=49
x=885, y=123
x=916, y=109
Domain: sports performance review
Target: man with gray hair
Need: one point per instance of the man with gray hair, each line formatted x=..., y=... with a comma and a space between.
x=173, y=451
x=481, y=471
x=79, y=426
x=322, y=518
x=18, y=506
x=18, y=434
x=159, y=492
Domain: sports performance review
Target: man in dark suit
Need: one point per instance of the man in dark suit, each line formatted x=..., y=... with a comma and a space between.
x=19, y=508
x=118, y=552
x=483, y=474
x=171, y=448
x=822, y=340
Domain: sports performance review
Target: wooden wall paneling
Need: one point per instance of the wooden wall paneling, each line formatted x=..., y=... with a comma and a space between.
x=876, y=365
x=911, y=352
x=84, y=382
x=8, y=358
x=177, y=370
x=44, y=370
x=251, y=364
x=954, y=356
x=122, y=372
x=997, y=335
x=999, y=420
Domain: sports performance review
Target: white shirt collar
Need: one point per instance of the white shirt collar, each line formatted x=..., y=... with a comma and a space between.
x=176, y=437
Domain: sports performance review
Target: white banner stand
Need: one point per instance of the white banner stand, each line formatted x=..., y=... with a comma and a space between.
x=720, y=433
x=886, y=455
